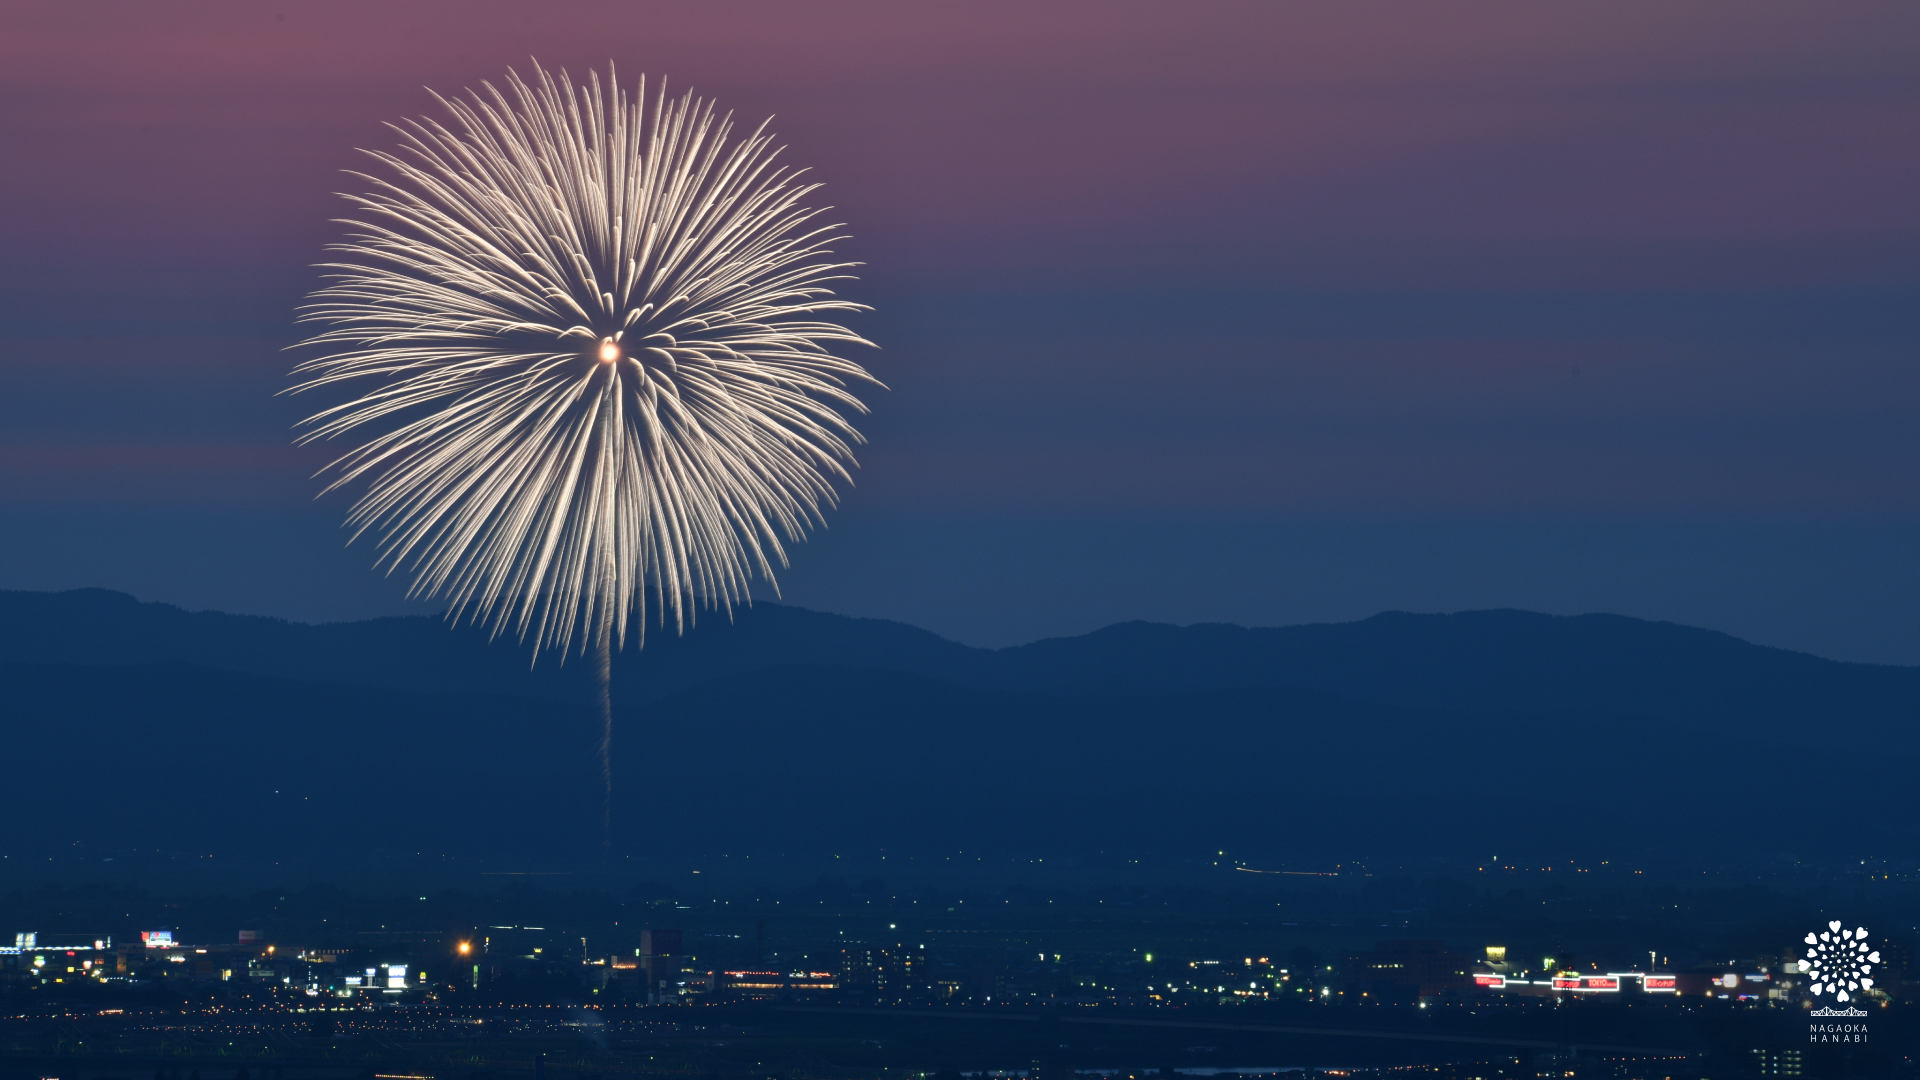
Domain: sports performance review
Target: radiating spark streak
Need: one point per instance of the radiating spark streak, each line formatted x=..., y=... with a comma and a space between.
x=511, y=466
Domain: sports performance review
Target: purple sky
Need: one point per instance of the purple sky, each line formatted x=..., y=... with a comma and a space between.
x=1262, y=312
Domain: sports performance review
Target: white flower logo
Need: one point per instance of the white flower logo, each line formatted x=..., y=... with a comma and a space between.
x=1839, y=962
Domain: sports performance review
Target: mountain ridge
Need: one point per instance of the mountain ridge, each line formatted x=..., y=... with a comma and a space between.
x=788, y=729
x=1498, y=660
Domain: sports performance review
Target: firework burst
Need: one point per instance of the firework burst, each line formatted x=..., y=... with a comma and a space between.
x=585, y=339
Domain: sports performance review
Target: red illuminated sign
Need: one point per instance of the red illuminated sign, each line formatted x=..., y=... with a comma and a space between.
x=1595, y=982
x=1567, y=984
x=1489, y=980
x=1661, y=982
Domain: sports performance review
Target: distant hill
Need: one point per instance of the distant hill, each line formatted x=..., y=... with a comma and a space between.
x=1480, y=661
x=151, y=729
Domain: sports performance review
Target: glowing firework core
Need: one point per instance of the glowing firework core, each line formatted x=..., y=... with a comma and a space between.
x=609, y=351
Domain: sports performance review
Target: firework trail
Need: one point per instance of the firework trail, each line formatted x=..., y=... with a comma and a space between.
x=585, y=342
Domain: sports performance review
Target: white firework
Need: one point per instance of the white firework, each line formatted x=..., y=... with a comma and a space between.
x=585, y=339
x=1839, y=962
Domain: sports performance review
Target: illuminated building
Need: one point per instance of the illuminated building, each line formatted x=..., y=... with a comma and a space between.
x=624, y=971
x=897, y=972
x=33, y=958
x=658, y=972
x=660, y=963
x=1593, y=983
x=1775, y=1062
x=772, y=985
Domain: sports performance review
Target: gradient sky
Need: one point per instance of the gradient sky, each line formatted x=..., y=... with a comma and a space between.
x=1265, y=312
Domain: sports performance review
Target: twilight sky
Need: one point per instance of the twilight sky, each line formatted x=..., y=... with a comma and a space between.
x=1264, y=312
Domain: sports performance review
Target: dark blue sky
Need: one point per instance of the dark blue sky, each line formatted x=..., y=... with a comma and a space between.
x=1255, y=312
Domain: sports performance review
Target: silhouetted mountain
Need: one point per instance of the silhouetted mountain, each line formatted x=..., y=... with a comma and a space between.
x=426, y=655
x=1482, y=661
x=150, y=729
